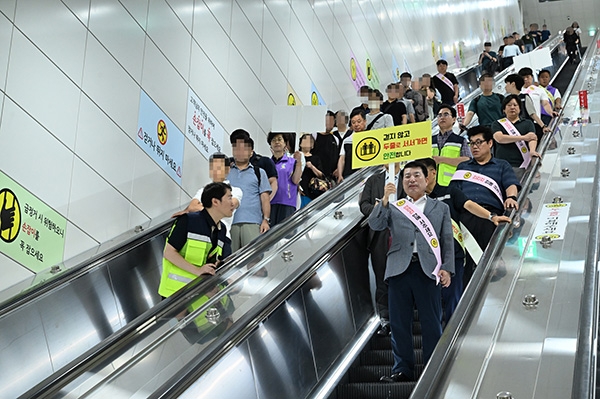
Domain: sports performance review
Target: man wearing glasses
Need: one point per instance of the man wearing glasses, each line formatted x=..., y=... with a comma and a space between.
x=448, y=148
x=488, y=181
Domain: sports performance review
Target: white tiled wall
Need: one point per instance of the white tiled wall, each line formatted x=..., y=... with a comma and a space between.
x=71, y=72
x=562, y=13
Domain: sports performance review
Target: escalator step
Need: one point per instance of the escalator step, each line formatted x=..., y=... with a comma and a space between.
x=368, y=373
x=400, y=390
x=379, y=342
x=384, y=357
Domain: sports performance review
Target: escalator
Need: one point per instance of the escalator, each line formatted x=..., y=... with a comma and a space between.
x=114, y=332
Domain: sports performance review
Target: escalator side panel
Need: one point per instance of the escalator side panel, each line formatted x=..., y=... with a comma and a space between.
x=45, y=334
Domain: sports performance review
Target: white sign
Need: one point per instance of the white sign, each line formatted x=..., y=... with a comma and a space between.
x=552, y=221
x=202, y=127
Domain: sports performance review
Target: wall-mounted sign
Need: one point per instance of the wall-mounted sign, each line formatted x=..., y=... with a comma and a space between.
x=202, y=128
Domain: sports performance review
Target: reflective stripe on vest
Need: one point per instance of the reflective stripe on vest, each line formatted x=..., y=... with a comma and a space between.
x=444, y=170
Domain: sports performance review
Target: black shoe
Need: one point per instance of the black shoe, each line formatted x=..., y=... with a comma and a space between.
x=396, y=377
x=384, y=330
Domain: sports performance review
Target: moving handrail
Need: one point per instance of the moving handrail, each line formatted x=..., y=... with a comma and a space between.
x=427, y=385
x=233, y=270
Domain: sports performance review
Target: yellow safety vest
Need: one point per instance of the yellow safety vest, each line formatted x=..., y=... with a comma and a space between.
x=445, y=171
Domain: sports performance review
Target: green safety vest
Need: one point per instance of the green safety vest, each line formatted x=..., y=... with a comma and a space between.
x=451, y=149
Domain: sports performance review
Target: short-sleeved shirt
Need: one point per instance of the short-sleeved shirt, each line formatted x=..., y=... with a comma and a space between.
x=327, y=148
x=410, y=109
x=396, y=109
x=498, y=170
x=510, y=152
x=264, y=163
x=287, y=191
x=385, y=121
x=236, y=193
x=555, y=95
x=487, y=108
x=537, y=95
x=455, y=199
x=250, y=209
x=445, y=90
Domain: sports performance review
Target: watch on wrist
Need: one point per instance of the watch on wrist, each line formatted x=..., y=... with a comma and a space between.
x=268, y=220
x=513, y=197
x=491, y=216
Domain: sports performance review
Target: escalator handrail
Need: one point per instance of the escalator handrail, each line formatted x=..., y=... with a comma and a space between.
x=198, y=287
x=443, y=354
x=584, y=374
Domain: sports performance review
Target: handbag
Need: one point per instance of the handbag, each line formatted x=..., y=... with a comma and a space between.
x=318, y=186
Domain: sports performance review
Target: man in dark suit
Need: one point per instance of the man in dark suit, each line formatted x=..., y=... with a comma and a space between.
x=378, y=242
x=420, y=261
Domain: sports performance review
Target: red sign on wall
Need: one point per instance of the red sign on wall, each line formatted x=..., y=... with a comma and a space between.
x=460, y=110
x=583, y=99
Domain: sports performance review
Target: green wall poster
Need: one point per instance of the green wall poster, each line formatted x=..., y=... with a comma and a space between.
x=31, y=232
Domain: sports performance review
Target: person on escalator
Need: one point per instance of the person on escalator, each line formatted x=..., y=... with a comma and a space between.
x=420, y=261
x=571, y=40
x=195, y=238
x=553, y=95
x=488, y=181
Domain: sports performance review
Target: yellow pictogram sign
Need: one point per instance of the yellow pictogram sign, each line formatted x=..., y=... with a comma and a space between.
x=161, y=132
x=369, y=70
x=391, y=144
x=353, y=68
x=291, y=99
x=314, y=99
x=10, y=215
x=434, y=243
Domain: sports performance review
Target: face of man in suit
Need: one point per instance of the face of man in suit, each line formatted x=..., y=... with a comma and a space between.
x=414, y=182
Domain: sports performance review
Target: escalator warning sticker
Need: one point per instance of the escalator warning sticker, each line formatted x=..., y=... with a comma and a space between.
x=552, y=222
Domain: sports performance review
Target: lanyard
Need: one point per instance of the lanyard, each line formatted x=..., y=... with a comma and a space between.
x=419, y=219
x=523, y=150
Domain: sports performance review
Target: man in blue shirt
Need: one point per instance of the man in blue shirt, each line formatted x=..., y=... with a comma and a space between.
x=252, y=217
x=487, y=172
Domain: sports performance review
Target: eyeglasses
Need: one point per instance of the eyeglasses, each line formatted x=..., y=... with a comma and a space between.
x=444, y=115
x=476, y=143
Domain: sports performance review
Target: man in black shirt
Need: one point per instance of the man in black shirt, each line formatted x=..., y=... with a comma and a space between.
x=327, y=147
x=446, y=83
x=393, y=107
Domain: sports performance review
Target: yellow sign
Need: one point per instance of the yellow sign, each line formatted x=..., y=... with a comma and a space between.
x=10, y=215
x=161, y=132
x=353, y=72
x=314, y=99
x=369, y=71
x=291, y=99
x=391, y=144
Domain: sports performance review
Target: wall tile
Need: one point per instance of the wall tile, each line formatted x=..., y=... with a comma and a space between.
x=81, y=9
x=12, y=272
x=60, y=35
x=275, y=42
x=49, y=180
x=76, y=241
x=8, y=8
x=170, y=35
x=119, y=99
x=164, y=85
x=137, y=8
x=220, y=10
x=196, y=170
x=244, y=34
x=105, y=147
x=42, y=90
x=6, y=28
x=184, y=9
x=209, y=34
x=95, y=206
x=115, y=28
x=154, y=192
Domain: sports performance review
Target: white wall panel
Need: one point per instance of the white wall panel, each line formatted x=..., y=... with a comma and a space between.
x=96, y=207
x=170, y=35
x=12, y=272
x=42, y=90
x=137, y=8
x=72, y=71
x=164, y=85
x=6, y=29
x=111, y=87
x=59, y=34
x=49, y=180
x=115, y=28
x=105, y=147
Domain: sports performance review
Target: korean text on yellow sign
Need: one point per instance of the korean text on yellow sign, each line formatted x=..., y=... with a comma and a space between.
x=391, y=144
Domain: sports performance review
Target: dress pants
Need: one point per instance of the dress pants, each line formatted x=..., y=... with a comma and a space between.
x=404, y=291
x=451, y=294
x=482, y=231
x=378, y=248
